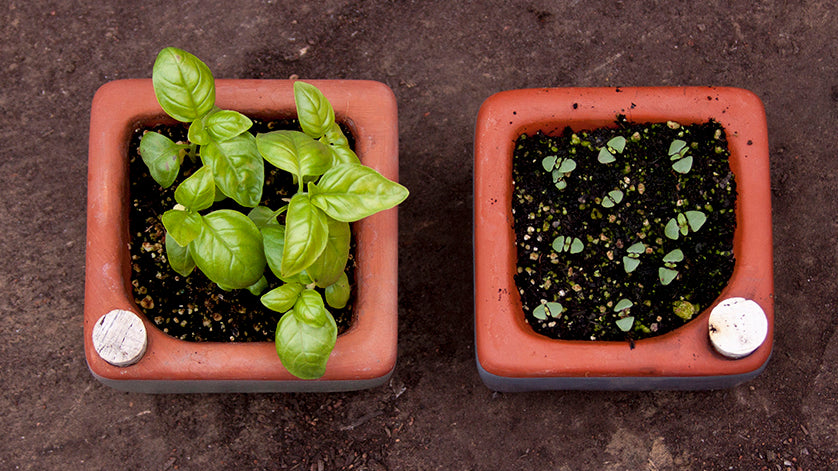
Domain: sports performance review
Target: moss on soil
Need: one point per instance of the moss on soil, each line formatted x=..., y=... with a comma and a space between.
x=589, y=284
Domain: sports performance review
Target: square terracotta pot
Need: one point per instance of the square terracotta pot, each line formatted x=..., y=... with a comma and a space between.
x=510, y=355
x=363, y=357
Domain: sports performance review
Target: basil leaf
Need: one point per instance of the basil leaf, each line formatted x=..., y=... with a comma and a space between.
x=337, y=294
x=226, y=124
x=229, y=249
x=295, y=152
x=184, y=226
x=306, y=235
x=349, y=192
x=332, y=262
x=310, y=308
x=262, y=216
x=304, y=348
x=334, y=136
x=178, y=256
x=162, y=157
x=343, y=155
x=273, y=237
x=238, y=168
x=282, y=298
x=259, y=287
x=314, y=111
x=339, y=146
x=198, y=191
x=198, y=133
x=183, y=85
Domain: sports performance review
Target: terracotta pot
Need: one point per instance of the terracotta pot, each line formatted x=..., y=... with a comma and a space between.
x=510, y=355
x=363, y=357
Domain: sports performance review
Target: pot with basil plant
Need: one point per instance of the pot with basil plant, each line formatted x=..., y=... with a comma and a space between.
x=230, y=221
x=632, y=219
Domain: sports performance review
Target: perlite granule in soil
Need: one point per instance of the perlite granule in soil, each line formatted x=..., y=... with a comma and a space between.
x=622, y=233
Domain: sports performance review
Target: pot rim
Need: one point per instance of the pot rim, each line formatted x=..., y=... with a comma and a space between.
x=506, y=345
x=366, y=351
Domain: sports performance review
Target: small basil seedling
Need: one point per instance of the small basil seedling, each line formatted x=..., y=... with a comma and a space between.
x=615, y=145
x=678, y=153
x=683, y=223
x=308, y=249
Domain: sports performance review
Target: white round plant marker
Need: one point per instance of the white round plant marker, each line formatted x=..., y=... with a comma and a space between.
x=119, y=337
x=738, y=326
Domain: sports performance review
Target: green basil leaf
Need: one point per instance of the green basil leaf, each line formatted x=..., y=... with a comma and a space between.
x=314, y=111
x=294, y=152
x=666, y=275
x=178, y=256
x=226, y=124
x=238, y=168
x=310, y=308
x=683, y=166
x=677, y=149
x=630, y=264
x=184, y=226
x=671, y=229
x=334, y=136
x=306, y=235
x=259, y=287
x=625, y=323
x=695, y=219
x=339, y=146
x=332, y=262
x=350, y=192
x=623, y=304
x=304, y=348
x=337, y=294
x=229, y=249
x=343, y=155
x=263, y=217
x=162, y=157
x=198, y=191
x=183, y=85
x=674, y=256
x=282, y=298
x=198, y=133
x=273, y=237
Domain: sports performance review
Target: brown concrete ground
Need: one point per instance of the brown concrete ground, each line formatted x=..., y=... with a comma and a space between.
x=442, y=60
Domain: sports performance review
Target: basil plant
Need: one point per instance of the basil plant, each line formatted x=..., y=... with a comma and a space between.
x=305, y=243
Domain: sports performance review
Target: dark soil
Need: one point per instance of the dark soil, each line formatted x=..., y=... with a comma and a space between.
x=589, y=284
x=193, y=307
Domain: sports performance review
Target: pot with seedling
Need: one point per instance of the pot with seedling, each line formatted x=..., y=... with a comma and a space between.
x=228, y=222
x=622, y=239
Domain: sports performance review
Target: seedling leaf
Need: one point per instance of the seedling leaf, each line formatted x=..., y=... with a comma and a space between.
x=684, y=165
x=543, y=311
x=625, y=323
x=638, y=248
x=674, y=256
x=623, y=304
x=696, y=219
x=617, y=143
x=567, y=166
x=605, y=157
x=666, y=275
x=671, y=229
x=630, y=264
x=677, y=149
